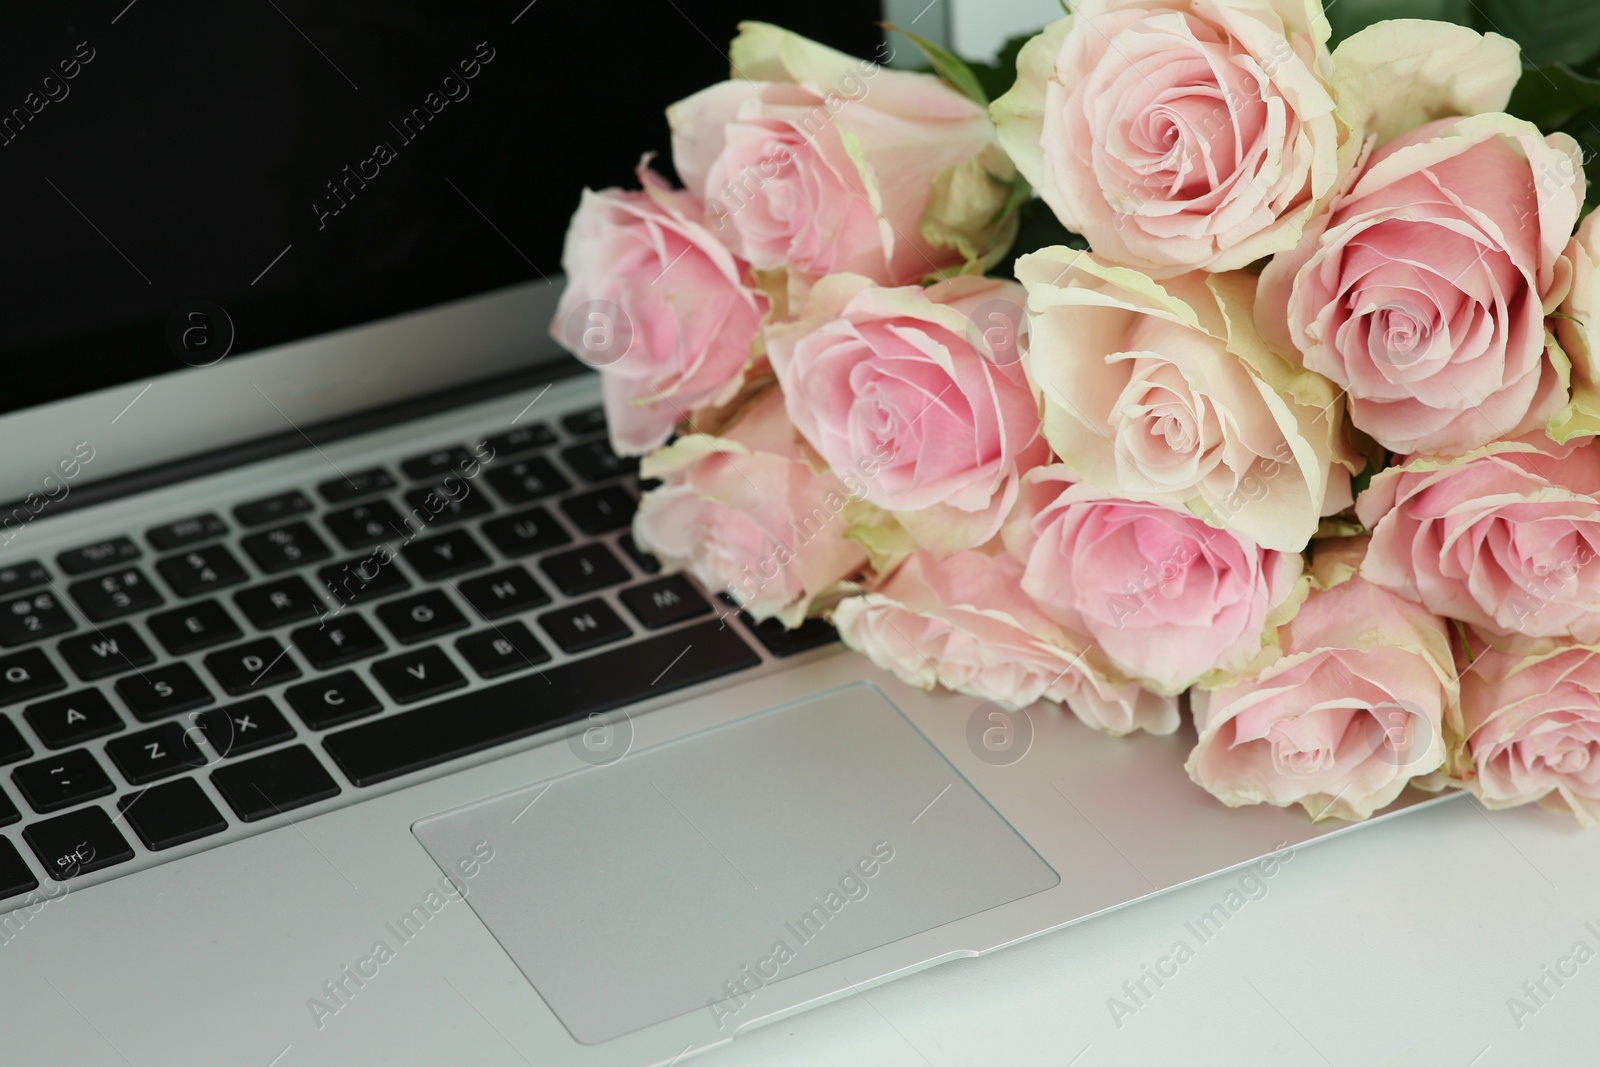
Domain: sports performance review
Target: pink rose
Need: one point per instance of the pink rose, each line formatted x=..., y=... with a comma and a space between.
x=963, y=623
x=902, y=387
x=1504, y=538
x=1533, y=730
x=658, y=306
x=1363, y=700
x=1167, y=598
x=1178, y=134
x=1424, y=290
x=747, y=514
x=1164, y=391
x=1577, y=330
x=824, y=164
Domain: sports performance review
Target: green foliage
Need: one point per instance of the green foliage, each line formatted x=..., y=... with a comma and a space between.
x=1549, y=31
x=951, y=68
x=1348, y=16
x=1037, y=228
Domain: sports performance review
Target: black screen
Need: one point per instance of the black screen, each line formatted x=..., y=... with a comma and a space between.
x=305, y=165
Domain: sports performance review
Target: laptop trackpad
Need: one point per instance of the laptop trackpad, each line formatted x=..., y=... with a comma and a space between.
x=635, y=892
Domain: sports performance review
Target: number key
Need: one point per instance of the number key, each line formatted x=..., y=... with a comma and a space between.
x=30, y=617
x=201, y=570
x=286, y=547
x=116, y=594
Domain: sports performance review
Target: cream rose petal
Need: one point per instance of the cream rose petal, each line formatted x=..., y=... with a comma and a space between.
x=1396, y=75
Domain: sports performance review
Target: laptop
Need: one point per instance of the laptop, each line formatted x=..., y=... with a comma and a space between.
x=341, y=720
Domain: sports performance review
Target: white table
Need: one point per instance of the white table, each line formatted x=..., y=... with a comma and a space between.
x=1399, y=944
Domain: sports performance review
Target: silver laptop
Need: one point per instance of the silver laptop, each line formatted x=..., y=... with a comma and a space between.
x=341, y=721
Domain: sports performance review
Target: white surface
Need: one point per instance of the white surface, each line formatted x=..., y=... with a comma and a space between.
x=1396, y=945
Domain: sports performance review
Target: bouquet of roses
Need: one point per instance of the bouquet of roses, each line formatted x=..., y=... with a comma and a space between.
x=1206, y=369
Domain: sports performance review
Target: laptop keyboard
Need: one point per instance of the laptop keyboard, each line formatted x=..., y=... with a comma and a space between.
x=292, y=648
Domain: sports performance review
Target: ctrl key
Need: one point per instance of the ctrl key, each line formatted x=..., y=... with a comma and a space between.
x=79, y=842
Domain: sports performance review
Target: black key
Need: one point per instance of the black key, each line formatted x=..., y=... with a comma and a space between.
x=73, y=719
x=515, y=442
x=356, y=484
x=421, y=617
x=159, y=752
x=584, y=569
x=114, y=595
x=106, y=651
x=435, y=464
x=664, y=602
x=166, y=816
x=582, y=423
x=19, y=576
x=527, y=480
x=201, y=570
x=185, y=532
x=244, y=727
x=79, y=842
x=332, y=700
x=15, y=878
x=8, y=811
x=782, y=641
x=107, y=553
x=162, y=691
x=395, y=744
x=447, y=554
x=12, y=745
x=272, y=508
x=280, y=781
x=338, y=640
x=594, y=461
x=441, y=506
x=356, y=581
x=366, y=524
x=32, y=616
x=252, y=666
x=504, y=592
x=286, y=547
x=579, y=627
x=526, y=532
x=502, y=650
x=276, y=603
x=418, y=674
x=27, y=674
x=601, y=510
x=641, y=559
x=64, y=779
x=341, y=637
x=193, y=627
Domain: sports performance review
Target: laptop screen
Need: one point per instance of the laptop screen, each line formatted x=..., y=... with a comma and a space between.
x=180, y=177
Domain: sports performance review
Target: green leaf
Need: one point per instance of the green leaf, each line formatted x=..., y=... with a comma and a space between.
x=1037, y=227
x=1552, y=95
x=1549, y=31
x=1359, y=483
x=951, y=68
x=1348, y=16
